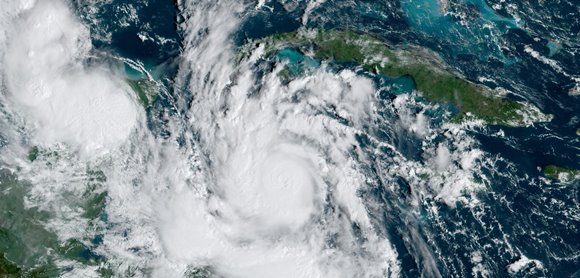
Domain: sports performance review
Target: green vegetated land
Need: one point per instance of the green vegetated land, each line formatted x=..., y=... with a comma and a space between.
x=23, y=238
x=27, y=247
x=146, y=90
x=432, y=77
x=561, y=173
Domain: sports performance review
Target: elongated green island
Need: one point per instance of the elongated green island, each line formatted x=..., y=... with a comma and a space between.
x=432, y=77
x=561, y=173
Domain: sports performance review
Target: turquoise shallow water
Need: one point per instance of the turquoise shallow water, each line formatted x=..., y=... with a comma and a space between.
x=471, y=26
x=520, y=213
x=297, y=62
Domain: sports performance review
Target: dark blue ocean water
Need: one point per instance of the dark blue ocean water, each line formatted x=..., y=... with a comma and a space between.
x=520, y=213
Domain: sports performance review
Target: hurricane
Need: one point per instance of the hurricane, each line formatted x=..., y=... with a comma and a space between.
x=289, y=138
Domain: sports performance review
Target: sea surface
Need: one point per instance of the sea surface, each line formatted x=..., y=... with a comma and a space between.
x=230, y=171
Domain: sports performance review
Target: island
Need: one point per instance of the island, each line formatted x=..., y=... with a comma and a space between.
x=561, y=173
x=435, y=80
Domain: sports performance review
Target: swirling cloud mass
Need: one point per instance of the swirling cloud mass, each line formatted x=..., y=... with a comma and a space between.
x=235, y=171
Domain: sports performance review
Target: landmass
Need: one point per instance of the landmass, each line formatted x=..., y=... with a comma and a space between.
x=146, y=90
x=431, y=76
x=561, y=173
x=27, y=248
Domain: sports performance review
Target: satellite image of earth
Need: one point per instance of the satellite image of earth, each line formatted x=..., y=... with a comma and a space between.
x=289, y=138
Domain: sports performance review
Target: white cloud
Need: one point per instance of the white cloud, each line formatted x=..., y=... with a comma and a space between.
x=64, y=100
